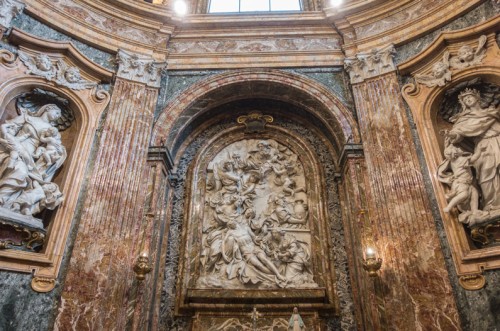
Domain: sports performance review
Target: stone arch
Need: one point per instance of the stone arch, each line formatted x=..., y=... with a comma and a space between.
x=292, y=88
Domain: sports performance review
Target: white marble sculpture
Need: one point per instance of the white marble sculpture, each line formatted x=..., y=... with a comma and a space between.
x=476, y=197
x=60, y=73
x=467, y=56
x=39, y=65
x=440, y=73
x=30, y=153
x=71, y=77
x=256, y=223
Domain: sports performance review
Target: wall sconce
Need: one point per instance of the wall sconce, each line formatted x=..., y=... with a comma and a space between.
x=371, y=263
x=142, y=267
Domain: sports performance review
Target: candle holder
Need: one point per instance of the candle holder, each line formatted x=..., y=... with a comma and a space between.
x=142, y=267
x=371, y=263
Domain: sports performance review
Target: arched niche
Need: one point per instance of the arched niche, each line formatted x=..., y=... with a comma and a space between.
x=86, y=104
x=199, y=136
x=425, y=99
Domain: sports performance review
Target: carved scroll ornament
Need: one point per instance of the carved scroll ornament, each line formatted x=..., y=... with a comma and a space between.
x=256, y=224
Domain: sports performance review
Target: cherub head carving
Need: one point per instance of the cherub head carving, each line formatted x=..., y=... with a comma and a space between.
x=43, y=62
x=465, y=53
x=72, y=75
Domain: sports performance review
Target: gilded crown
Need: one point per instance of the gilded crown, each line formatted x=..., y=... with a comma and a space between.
x=469, y=91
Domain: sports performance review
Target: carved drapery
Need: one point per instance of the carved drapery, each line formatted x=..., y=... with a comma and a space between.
x=457, y=121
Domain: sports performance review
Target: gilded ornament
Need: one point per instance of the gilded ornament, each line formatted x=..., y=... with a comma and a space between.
x=372, y=265
x=142, y=267
x=472, y=282
x=255, y=121
x=43, y=284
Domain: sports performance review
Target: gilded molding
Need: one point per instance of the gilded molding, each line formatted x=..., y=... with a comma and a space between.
x=370, y=64
x=141, y=69
x=8, y=10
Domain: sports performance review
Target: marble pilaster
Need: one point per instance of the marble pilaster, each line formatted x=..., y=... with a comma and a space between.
x=100, y=289
x=413, y=283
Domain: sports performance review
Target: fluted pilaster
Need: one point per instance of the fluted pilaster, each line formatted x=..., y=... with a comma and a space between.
x=100, y=280
x=413, y=284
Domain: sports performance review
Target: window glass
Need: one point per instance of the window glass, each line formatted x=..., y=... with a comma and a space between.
x=238, y=6
x=254, y=5
x=285, y=5
x=224, y=6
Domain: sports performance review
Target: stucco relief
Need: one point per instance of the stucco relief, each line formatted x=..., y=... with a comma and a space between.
x=471, y=168
x=274, y=45
x=440, y=72
x=60, y=72
x=106, y=23
x=256, y=230
x=408, y=14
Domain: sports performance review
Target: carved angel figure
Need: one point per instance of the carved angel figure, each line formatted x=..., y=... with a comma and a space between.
x=25, y=175
x=466, y=55
x=482, y=127
x=440, y=73
x=71, y=77
x=40, y=65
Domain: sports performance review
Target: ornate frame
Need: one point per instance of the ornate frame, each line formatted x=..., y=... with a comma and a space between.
x=424, y=99
x=87, y=105
x=190, y=299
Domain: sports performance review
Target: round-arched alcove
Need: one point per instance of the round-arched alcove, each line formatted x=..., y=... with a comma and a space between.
x=220, y=263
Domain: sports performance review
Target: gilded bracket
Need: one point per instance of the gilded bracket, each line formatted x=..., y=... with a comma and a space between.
x=472, y=282
x=43, y=284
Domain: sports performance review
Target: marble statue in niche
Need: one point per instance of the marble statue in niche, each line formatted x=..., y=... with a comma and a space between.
x=31, y=151
x=256, y=230
x=471, y=168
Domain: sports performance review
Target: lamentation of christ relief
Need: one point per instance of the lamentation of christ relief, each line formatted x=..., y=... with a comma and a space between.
x=256, y=225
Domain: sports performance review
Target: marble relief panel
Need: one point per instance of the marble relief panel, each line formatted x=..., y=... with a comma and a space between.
x=410, y=13
x=110, y=24
x=254, y=45
x=256, y=221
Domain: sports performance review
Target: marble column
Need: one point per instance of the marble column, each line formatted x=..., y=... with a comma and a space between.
x=412, y=291
x=100, y=284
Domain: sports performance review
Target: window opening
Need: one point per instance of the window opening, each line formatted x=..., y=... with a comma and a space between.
x=246, y=6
